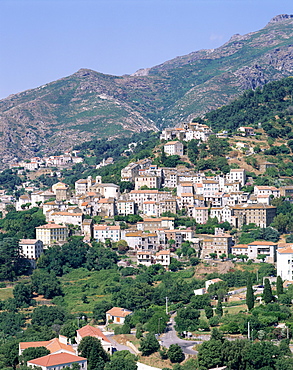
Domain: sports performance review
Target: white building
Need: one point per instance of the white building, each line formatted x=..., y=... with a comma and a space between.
x=103, y=232
x=174, y=148
x=285, y=263
x=31, y=248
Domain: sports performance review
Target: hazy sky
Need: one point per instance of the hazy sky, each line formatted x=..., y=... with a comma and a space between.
x=43, y=40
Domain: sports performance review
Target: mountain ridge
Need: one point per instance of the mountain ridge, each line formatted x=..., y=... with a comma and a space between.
x=89, y=104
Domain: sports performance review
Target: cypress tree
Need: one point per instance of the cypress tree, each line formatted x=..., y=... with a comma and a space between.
x=267, y=292
x=279, y=286
x=219, y=308
x=249, y=295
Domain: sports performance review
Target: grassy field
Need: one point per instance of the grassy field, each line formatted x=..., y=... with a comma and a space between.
x=92, y=284
x=6, y=293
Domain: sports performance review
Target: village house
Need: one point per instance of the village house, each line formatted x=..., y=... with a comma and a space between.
x=246, y=131
x=285, y=262
x=163, y=258
x=103, y=232
x=55, y=345
x=218, y=244
x=267, y=190
x=31, y=249
x=91, y=331
x=117, y=315
x=151, y=181
x=173, y=148
x=65, y=218
x=125, y=207
x=58, y=361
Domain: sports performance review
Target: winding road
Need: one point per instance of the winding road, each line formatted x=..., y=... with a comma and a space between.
x=170, y=337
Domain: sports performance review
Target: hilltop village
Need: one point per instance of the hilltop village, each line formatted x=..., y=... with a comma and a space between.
x=170, y=217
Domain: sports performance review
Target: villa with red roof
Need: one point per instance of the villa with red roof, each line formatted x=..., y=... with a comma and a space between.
x=117, y=315
x=55, y=345
x=58, y=361
x=91, y=331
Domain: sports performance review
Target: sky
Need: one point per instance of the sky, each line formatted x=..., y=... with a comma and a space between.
x=44, y=40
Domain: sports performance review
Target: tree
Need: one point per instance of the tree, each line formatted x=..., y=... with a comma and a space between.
x=100, y=309
x=33, y=352
x=280, y=289
x=149, y=344
x=219, y=308
x=209, y=312
x=46, y=283
x=223, y=256
x=48, y=315
x=187, y=319
x=122, y=360
x=213, y=255
x=261, y=257
x=249, y=295
x=91, y=348
x=22, y=294
x=175, y=353
x=267, y=292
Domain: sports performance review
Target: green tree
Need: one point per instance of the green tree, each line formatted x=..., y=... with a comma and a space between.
x=22, y=294
x=219, y=308
x=100, y=309
x=46, y=283
x=280, y=289
x=209, y=312
x=33, y=352
x=249, y=295
x=175, y=353
x=187, y=319
x=91, y=348
x=122, y=360
x=149, y=344
x=267, y=292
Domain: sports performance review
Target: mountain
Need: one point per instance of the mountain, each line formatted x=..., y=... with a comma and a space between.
x=89, y=104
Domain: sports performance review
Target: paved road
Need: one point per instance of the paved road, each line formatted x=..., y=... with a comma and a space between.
x=118, y=346
x=170, y=337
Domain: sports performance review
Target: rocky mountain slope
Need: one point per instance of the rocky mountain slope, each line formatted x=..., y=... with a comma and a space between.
x=89, y=104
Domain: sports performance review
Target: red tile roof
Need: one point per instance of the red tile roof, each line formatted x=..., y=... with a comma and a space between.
x=56, y=359
x=91, y=331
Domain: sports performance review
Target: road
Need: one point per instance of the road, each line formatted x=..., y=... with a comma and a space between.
x=170, y=337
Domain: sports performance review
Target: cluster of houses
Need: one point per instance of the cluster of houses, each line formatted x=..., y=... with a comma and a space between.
x=63, y=353
x=59, y=161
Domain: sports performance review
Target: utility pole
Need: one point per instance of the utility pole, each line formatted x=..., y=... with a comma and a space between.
x=248, y=327
x=167, y=305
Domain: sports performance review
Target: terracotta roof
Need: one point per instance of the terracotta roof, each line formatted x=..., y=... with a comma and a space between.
x=186, y=195
x=172, y=143
x=262, y=243
x=51, y=226
x=56, y=359
x=91, y=331
x=144, y=191
x=166, y=252
x=286, y=250
x=106, y=227
x=118, y=311
x=242, y=246
x=52, y=345
x=28, y=241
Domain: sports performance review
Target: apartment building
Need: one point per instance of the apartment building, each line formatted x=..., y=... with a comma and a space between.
x=103, y=232
x=173, y=148
x=260, y=214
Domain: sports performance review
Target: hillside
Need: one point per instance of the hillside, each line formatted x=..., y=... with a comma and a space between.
x=89, y=104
